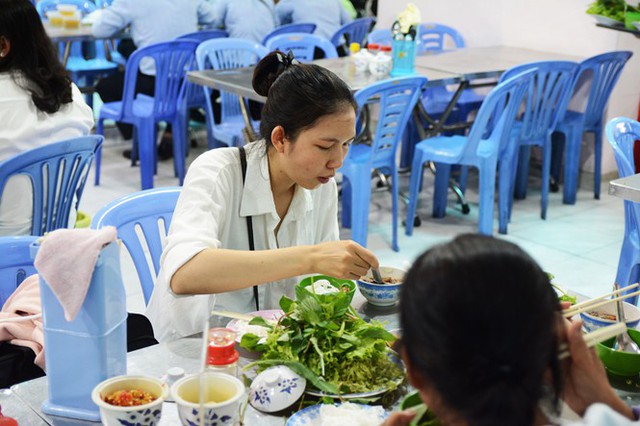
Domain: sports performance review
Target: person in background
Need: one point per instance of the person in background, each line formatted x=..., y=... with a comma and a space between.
x=481, y=327
x=348, y=6
x=290, y=197
x=245, y=19
x=328, y=15
x=150, y=22
x=39, y=104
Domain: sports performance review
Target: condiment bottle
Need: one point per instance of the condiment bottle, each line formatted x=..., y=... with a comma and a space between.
x=222, y=354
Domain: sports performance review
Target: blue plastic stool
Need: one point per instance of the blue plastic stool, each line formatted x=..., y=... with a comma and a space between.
x=302, y=45
x=300, y=27
x=397, y=97
x=15, y=264
x=144, y=210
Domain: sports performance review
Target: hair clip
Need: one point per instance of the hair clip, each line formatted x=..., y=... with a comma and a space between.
x=288, y=59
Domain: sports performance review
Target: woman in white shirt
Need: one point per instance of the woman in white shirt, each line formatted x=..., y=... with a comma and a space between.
x=39, y=103
x=308, y=123
x=481, y=327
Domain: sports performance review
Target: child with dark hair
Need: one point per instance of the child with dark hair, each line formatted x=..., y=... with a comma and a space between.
x=284, y=184
x=481, y=328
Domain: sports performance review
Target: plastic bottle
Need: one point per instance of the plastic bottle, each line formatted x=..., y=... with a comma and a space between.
x=222, y=354
x=380, y=65
x=373, y=48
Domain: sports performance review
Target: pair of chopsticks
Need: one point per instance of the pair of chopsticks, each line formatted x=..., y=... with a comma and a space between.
x=596, y=302
x=597, y=336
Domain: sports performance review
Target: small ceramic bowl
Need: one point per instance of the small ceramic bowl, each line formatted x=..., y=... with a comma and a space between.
x=67, y=9
x=275, y=389
x=382, y=294
x=223, y=398
x=147, y=414
x=591, y=322
x=620, y=363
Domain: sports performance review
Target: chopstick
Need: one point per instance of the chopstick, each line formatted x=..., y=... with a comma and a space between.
x=234, y=315
x=599, y=301
x=597, y=336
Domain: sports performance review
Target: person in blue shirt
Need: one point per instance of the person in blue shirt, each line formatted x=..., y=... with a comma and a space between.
x=328, y=15
x=246, y=19
x=150, y=21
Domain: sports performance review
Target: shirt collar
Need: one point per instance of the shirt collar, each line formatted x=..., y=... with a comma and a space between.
x=257, y=198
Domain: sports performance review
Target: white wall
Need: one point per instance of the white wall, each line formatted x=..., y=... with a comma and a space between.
x=560, y=26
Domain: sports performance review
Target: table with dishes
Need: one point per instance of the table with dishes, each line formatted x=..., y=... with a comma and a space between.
x=627, y=188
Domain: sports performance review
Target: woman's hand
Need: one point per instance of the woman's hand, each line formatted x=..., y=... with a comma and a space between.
x=342, y=259
x=585, y=379
x=399, y=418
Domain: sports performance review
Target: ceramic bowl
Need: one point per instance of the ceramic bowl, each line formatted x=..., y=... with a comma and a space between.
x=275, y=389
x=147, y=414
x=607, y=21
x=382, y=294
x=223, y=398
x=591, y=322
x=620, y=363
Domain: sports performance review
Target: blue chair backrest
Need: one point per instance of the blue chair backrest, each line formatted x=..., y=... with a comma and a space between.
x=227, y=53
x=57, y=171
x=604, y=71
x=432, y=37
x=144, y=212
x=498, y=113
x=204, y=35
x=397, y=98
x=547, y=98
x=15, y=264
x=353, y=32
x=300, y=27
x=172, y=59
x=84, y=6
x=382, y=37
x=302, y=45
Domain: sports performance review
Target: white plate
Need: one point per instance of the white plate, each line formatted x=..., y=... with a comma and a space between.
x=239, y=325
x=607, y=21
x=310, y=416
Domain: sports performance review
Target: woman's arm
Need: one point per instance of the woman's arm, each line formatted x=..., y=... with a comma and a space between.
x=222, y=270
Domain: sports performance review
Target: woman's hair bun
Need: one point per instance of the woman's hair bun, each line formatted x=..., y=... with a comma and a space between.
x=269, y=69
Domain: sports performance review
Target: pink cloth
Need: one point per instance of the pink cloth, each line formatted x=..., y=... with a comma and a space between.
x=66, y=259
x=24, y=301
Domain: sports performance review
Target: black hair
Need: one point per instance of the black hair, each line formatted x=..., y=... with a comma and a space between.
x=480, y=324
x=297, y=94
x=32, y=56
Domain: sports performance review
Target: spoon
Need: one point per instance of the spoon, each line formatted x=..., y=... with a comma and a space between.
x=623, y=341
x=377, y=278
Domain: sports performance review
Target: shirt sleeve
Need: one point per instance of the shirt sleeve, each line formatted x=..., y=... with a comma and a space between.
x=113, y=18
x=200, y=210
x=207, y=13
x=345, y=18
x=284, y=12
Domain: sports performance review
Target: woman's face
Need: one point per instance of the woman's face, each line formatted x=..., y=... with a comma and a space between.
x=315, y=156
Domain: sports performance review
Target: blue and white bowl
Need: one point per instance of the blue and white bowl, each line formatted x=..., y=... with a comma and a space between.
x=224, y=393
x=591, y=322
x=382, y=294
x=275, y=389
x=147, y=414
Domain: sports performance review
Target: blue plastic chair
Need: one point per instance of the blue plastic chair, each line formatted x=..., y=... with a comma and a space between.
x=354, y=32
x=622, y=134
x=84, y=72
x=432, y=37
x=397, y=98
x=303, y=46
x=382, y=37
x=300, y=27
x=146, y=212
x=204, y=35
x=223, y=54
x=483, y=148
x=603, y=72
x=546, y=102
x=15, y=264
x=172, y=59
x=58, y=172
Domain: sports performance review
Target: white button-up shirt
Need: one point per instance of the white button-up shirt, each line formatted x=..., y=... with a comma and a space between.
x=211, y=213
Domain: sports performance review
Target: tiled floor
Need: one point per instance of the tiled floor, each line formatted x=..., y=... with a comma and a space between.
x=579, y=244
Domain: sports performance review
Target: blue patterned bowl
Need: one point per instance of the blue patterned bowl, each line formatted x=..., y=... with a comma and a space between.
x=592, y=322
x=147, y=414
x=275, y=389
x=222, y=403
x=382, y=294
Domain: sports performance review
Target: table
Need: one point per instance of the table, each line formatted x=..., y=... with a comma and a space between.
x=627, y=188
x=155, y=361
x=82, y=33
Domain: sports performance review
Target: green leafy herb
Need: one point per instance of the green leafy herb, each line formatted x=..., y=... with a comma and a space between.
x=563, y=296
x=324, y=340
x=614, y=9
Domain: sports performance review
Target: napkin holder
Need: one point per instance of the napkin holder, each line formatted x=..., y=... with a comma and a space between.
x=81, y=353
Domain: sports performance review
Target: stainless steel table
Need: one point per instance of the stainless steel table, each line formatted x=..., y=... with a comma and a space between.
x=627, y=188
x=27, y=397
